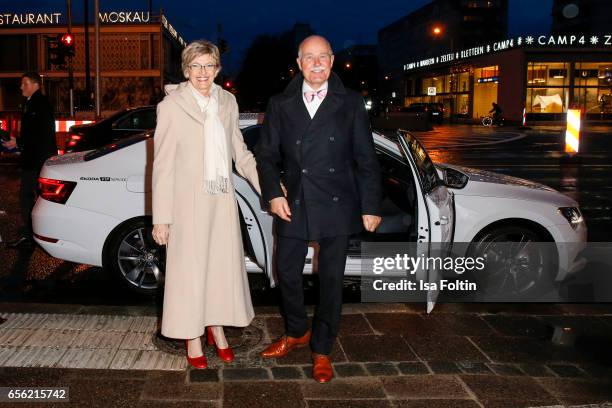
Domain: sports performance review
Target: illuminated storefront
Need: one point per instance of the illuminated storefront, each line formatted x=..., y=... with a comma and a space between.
x=544, y=75
x=139, y=52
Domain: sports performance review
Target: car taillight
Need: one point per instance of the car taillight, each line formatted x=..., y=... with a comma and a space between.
x=74, y=139
x=57, y=191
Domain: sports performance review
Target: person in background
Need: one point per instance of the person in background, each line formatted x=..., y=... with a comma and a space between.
x=36, y=143
x=496, y=111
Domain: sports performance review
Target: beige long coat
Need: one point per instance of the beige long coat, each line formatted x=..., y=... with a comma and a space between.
x=206, y=282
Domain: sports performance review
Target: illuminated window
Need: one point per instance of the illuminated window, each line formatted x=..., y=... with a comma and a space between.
x=593, y=87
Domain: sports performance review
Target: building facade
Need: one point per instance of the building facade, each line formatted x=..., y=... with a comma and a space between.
x=440, y=26
x=139, y=53
x=541, y=75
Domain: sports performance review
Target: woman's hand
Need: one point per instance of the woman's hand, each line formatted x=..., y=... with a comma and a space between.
x=161, y=232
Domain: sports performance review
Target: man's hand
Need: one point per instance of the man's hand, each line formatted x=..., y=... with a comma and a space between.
x=10, y=144
x=161, y=232
x=371, y=222
x=280, y=207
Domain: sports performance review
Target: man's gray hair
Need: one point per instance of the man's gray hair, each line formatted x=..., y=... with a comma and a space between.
x=310, y=37
x=196, y=49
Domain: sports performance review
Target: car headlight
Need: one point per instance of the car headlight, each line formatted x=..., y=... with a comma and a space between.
x=572, y=215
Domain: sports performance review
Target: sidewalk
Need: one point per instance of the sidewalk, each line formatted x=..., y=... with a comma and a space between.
x=386, y=355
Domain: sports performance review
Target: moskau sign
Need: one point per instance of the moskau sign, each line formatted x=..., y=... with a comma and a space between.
x=125, y=17
x=107, y=17
x=542, y=41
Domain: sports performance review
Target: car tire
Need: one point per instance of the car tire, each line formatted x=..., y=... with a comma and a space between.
x=133, y=258
x=520, y=263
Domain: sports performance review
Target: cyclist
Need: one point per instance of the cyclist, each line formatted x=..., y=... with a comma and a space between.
x=496, y=111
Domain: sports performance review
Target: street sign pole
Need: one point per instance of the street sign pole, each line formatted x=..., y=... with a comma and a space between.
x=87, y=68
x=97, y=54
x=70, y=73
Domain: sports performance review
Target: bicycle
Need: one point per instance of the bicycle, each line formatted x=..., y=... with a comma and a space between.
x=489, y=120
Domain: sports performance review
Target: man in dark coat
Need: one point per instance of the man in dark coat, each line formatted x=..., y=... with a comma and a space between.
x=316, y=140
x=37, y=144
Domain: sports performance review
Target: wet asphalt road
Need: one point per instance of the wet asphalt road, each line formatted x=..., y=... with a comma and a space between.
x=534, y=154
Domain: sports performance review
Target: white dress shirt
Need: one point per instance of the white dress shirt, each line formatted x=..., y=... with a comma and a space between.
x=316, y=102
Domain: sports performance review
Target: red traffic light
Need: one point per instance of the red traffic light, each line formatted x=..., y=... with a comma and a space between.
x=228, y=84
x=67, y=40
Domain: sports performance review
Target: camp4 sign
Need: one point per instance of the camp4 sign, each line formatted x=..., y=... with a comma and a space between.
x=575, y=40
x=525, y=42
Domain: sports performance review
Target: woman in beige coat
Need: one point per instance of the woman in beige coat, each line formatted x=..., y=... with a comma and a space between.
x=195, y=213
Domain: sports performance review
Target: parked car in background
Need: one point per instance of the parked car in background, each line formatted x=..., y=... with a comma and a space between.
x=125, y=123
x=434, y=111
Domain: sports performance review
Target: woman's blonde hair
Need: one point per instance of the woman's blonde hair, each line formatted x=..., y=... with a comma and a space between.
x=196, y=49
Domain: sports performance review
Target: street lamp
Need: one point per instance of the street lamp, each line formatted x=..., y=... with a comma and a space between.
x=437, y=30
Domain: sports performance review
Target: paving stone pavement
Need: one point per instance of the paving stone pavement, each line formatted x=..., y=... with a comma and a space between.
x=385, y=356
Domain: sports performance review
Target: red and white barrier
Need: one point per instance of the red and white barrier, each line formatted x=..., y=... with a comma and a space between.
x=572, y=133
x=63, y=125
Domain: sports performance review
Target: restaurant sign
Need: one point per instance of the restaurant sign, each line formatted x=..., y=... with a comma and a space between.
x=106, y=17
x=541, y=41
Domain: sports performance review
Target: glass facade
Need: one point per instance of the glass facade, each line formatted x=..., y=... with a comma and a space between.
x=485, y=89
x=553, y=87
x=452, y=90
x=547, y=87
x=593, y=87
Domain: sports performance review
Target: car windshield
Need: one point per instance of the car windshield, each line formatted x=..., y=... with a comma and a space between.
x=427, y=171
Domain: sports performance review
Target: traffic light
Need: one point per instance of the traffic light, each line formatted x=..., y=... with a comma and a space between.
x=60, y=47
x=67, y=44
x=55, y=52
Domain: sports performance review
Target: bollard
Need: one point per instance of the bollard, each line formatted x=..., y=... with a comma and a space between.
x=572, y=133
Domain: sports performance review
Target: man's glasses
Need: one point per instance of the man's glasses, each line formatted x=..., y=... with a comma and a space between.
x=323, y=58
x=198, y=67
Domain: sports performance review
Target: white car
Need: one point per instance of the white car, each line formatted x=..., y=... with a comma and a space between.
x=95, y=208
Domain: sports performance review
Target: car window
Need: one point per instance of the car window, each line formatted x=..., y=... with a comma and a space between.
x=251, y=136
x=425, y=167
x=139, y=120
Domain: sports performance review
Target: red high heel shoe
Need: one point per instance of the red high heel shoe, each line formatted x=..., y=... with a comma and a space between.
x=225, y=354
x=197, y=362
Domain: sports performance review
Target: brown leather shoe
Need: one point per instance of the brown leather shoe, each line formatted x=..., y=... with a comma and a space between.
x=284, y=345
x=321, y=368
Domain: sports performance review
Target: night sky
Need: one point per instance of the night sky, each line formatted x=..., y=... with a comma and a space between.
x=344, y=22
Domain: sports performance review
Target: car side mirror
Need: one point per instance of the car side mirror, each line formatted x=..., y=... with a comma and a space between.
x=454, y=178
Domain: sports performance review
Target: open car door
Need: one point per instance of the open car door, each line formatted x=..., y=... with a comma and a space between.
x=437, y=228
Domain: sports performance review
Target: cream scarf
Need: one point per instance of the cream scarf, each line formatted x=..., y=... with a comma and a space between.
x=216, y=165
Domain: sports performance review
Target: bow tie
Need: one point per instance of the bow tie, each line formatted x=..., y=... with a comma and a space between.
x=309, y=95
